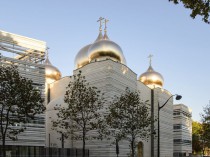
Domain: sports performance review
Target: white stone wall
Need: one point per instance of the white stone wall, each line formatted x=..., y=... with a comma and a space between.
x=166, y=122
x=57, y=92
x=112, y=78
x=145, y=93
x=58, y=88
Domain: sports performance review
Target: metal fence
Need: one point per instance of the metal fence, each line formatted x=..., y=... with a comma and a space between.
x=64, y=152
x=28, y=151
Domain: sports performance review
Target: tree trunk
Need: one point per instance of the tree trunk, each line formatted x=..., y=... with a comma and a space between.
x=83, y=152
x=83, y=148
x=3, y=151
x=132, y=148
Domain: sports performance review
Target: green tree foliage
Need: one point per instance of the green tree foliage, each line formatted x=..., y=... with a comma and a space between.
x=19, y=103
x=196, y=140
x=206, y=127
x=206, y=115
x=198, y=7
x=82, y=113
x=129, y=118
x=201, y=132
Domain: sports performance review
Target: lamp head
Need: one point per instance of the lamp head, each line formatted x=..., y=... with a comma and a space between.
x=178, y=97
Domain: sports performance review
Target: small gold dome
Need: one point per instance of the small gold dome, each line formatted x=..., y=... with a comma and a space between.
x=105, y=48
x=51, y=72
x=81, y=58
x=152, y=78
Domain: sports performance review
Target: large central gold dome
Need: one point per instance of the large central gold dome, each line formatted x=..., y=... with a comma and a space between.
x=102, y=48
x=81, y=58
x=151, y=78
x=105, y=48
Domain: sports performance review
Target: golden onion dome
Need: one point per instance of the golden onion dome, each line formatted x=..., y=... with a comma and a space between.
x=81, y=58
x=51, y=72
x=151, y=78
x=105, y=48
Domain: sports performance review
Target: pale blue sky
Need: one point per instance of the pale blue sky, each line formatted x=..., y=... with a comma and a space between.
x=180, y=45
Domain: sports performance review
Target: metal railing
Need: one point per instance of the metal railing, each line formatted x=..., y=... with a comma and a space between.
x=26, y=151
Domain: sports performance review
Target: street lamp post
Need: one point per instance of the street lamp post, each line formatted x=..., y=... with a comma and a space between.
x=178, y=97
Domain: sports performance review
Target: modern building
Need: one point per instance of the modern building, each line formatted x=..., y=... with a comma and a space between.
x=103, y=64
x=182, y=130
x=28, y=55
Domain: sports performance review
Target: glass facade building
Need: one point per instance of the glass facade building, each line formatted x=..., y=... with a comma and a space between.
x=28, y=55
x=182, y=130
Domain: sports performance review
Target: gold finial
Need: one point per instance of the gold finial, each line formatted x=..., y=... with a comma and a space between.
x=47, y=53
x=100, y=21
x=105, y=30
x=105, y=22
x=47, y=56
x=150, y=59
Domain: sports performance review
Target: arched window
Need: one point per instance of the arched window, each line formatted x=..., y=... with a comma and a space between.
x=140, y=149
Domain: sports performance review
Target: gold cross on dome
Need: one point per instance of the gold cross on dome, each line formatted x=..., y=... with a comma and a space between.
x=105, y=21
x=150, y=59
x=100, y=21
x=47, y=52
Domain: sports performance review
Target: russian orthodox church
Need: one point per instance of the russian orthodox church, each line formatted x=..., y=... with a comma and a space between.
x=104, y=66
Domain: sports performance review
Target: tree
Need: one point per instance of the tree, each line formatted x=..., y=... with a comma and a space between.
x=196, y=140
x=206, y=115
x=20, y=101
x=82, y=113
x=206, y=127
x=130, y=117
x=198, y=7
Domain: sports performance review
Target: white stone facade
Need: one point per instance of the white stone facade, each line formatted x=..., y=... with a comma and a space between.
x=112, y=78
